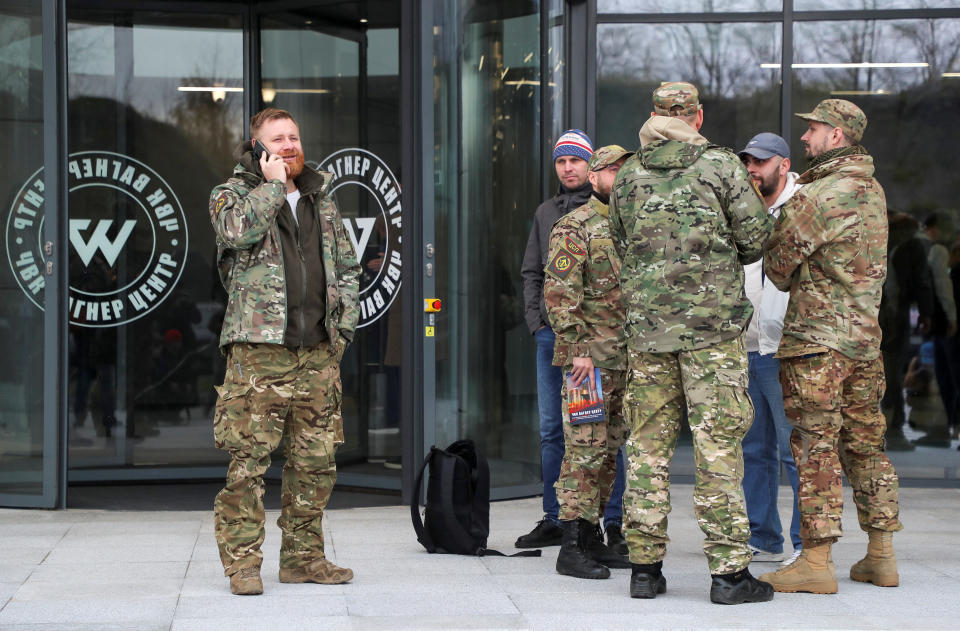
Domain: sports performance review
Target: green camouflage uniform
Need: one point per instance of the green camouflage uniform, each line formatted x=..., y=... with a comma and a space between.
x=686, y=219
x=830, y=252
x=271, y=390
x=582, y=292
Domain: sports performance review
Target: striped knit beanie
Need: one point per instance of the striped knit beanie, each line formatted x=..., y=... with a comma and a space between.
x=573, y=142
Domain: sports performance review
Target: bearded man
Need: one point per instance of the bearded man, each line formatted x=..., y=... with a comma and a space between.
x=292, y=278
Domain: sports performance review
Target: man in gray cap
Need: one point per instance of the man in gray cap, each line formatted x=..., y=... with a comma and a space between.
x=829, y=251
x=767, y=443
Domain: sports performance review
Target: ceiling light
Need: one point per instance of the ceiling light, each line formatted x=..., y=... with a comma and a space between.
x=862, y=64
x=217, y=92
x=858, y=92
x=207, y=88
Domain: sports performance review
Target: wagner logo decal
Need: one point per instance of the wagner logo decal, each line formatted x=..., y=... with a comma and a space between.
x=368, y=196
x=127, y=234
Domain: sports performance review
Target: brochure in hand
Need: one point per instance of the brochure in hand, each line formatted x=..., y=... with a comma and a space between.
x=585, y=401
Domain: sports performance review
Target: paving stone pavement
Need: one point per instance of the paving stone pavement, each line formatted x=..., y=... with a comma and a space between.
x=89, y=569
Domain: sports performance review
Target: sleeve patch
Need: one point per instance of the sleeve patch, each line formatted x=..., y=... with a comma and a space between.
x=574, y=248
x=562, y=264
x=219, y=203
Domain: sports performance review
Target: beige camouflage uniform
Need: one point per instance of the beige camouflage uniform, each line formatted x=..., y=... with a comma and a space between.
x=582, y=293
x=685, y=220
x=830, y=252
x=270, y=390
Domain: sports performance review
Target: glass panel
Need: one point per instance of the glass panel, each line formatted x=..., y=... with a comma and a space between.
x=687, y=6
x=740, y=98
x=908, y=109
x=487, y=107
x=150, y=134
x=554, y=73
x=343, y=87
x=21, y=279
x=871, y=5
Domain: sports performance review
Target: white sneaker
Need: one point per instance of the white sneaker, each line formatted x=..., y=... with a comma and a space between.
x=762, y=556
x=793, y=557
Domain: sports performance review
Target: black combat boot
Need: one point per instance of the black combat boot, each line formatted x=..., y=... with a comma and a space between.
x=573, y=560
x=615, y=540
x=544, y=534
x=739, y=587
x=646, y=580
x=600, y=553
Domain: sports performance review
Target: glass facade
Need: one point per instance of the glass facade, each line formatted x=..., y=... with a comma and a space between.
x=738, y=95
x=488, y=118
x=903, y=73
x=687, y=6
x=148, y=134
x=342, y=83
x=158, y=98
x=22, y=288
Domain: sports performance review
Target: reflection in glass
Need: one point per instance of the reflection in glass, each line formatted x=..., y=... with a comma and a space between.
x=21, y=286
x=739, y=97
x=554, y=73
x=487, y=182
x=149, y=136
x=686, y=6
x=908, y=109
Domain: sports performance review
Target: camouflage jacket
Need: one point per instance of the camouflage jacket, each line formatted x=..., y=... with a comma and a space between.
x=685, y=220
x=829, y=251
x=250, y=258
x=582, y=289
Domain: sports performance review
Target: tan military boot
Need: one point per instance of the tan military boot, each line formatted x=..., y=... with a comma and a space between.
x=811, y=572
x=319, y=571
x=246, y=582
x=880, y=565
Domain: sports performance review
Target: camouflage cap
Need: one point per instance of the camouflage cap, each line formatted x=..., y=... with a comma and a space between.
x=605, y=156
x=674, y=93
x=842, y=114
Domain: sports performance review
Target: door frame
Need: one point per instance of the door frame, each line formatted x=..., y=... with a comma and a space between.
x=54, y=355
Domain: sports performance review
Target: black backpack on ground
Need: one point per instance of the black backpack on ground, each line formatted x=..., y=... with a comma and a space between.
x=457, y=514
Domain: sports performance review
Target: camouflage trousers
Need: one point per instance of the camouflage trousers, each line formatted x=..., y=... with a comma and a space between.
x=712, y=383
x=833, y=403
x=589, y=465
x=271, y=392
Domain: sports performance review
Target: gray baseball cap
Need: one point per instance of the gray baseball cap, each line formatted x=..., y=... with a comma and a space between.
x=766, y=145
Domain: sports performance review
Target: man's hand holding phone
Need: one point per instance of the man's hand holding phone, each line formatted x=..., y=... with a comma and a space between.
x=271, y=165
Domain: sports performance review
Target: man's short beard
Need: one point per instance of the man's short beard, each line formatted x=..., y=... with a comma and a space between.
x=767, y=188
x=294, y=168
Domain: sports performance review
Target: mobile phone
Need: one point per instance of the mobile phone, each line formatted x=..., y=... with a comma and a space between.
x=259, y=150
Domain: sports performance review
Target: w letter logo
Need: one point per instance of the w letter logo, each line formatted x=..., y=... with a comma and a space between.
x=99, y=239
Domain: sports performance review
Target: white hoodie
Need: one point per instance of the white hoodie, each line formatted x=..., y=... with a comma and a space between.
x=769, y=303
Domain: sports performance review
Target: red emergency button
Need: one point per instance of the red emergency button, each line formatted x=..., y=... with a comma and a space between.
x=431, y=305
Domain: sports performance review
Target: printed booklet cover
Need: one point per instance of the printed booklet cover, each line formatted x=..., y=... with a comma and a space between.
x=585, y=402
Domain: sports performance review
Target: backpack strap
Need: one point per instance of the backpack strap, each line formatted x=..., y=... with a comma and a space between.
x=422, y=535
x=481, y=492
x=487, y=552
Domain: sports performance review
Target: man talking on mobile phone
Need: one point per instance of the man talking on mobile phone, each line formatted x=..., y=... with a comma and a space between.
x=291, y=275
